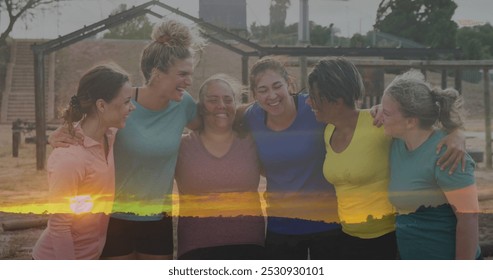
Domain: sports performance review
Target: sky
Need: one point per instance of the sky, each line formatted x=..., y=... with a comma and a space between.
x=351, y=16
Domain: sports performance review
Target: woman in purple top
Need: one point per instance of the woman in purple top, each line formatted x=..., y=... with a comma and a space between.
x=301, y=205
x=218, y=175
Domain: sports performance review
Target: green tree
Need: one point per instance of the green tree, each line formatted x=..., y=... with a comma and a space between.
x=476, y=41
x=357, y=41
x=292, y=28
x=278, y=10
x=15, y=10
x=319, y=35
x=258, y=32
x=137, y=28
x=428, y=22
x=485, y=33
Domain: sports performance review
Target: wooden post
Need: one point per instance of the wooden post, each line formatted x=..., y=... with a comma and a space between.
x=16, y=141
x=487, y=117
x=244, y=70
x=458, y=79
x=303, y=72
x=444, y=78
x=39, y=104
x=244, y=78
x=303, y=40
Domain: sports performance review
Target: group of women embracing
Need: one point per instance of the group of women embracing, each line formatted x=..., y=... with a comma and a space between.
x=337, y=186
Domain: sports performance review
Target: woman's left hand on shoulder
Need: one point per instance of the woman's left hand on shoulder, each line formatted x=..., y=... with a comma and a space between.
x=377, y=113
x=455, y=153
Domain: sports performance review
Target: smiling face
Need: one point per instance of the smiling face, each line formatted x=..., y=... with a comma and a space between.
x=394, y=122
x=218, y=106
x=271, y=93
x=117, y=110
x=175, y=81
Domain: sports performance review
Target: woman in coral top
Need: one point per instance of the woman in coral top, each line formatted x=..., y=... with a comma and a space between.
x=81, y=177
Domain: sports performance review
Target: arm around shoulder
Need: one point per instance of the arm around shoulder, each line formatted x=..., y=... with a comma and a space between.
x=240, y=123
x=455, y=153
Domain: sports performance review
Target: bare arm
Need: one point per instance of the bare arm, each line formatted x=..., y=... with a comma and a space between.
x=455, y=142
x=377, y=114
x=239, y=122
x=194, y=124
x=466, y=207
x=455, y=153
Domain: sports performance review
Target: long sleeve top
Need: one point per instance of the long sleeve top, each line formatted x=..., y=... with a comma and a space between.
x=81, y=190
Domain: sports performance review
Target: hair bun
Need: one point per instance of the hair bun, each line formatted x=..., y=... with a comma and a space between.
x=163, y=39
x=75, y=103
x=173, y=34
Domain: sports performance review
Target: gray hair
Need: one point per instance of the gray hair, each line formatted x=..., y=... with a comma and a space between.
x=224, y=78
x=232, y=83
x=431, y=106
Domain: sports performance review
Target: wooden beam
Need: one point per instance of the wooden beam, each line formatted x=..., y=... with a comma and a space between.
x=39, y=104
x=24, y=224
x=404, y=63
x=487, y=116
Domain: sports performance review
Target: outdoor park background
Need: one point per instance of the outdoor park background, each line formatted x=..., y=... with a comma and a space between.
x=20, y=182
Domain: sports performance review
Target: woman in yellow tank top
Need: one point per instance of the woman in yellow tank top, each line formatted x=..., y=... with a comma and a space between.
x=357, y=160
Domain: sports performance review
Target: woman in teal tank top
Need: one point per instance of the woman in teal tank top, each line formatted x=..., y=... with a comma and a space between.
x=146, y=149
